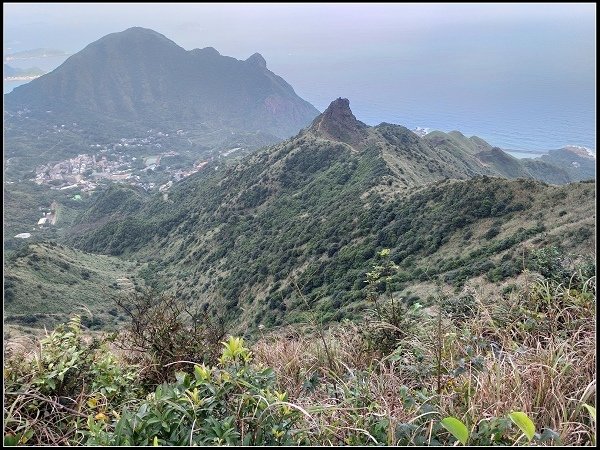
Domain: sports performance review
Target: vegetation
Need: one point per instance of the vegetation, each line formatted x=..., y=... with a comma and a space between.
x=240, y=245
x=512, y=369
x=164, y=331
x=24, y=204
x=46, y=283
x=314, y=210
x=234, y=309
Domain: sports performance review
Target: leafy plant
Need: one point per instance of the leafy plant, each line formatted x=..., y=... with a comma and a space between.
x=457, y=429
x=49, y=393
x=525, y=424
x=389, y=320
x=232, y=403
x=591, y=410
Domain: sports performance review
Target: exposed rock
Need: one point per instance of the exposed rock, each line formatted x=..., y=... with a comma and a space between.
x=339, y=124
x=257, y=59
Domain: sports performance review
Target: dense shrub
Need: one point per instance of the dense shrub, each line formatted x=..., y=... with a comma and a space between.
x=49, y=397
x=164, y=330
x=233, y=403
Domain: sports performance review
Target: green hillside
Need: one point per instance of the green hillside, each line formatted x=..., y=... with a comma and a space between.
x=46, y=283
x=312, y=212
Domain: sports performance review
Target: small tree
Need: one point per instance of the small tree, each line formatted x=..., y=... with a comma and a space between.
x=165, y=334
x=390, y=320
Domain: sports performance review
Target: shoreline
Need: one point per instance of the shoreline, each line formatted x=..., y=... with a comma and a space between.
x=22, y=78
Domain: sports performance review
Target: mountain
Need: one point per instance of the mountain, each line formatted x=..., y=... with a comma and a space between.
x=128, y=83
x=139, y=75
x=551, y=169
x=338, y=123
x=309, y=214
x=12, y=72
x=578, y=162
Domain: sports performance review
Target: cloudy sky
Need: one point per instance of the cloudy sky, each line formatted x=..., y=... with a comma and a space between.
x=241, y=28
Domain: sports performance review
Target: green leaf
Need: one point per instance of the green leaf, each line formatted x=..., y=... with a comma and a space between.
x=11, y=440
x=180, y=377
x=524, y=423
x=457, y=429
x=591, y=410
x=26, y=436
x=155, y=442
x=142, y=410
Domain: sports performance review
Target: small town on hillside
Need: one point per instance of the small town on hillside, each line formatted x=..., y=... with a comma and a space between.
x=86, y=171
x=149, y=169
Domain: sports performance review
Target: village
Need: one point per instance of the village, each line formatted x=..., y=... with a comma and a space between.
x=142, y=162
x=116, y=162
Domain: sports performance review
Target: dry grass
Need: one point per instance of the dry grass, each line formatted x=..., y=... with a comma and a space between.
x=543, y=363
x=532, y=350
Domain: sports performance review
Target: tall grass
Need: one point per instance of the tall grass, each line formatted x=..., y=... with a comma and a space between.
x=532, y=351
x=477, y=358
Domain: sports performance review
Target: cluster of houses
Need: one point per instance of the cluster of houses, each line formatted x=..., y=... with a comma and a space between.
x=85, y=171
x=80, y=171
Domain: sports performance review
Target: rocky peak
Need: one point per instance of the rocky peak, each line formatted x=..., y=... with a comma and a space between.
x=338, y=123
x=580, y=151
x=206, y=51
x=257, y=59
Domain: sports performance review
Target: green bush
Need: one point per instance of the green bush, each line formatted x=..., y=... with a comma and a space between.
x=48, y=396
x=389, y=320
x=233, y=403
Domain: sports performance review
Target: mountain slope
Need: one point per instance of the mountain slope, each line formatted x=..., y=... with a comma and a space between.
x=578, y=162
x=46, y=283
x=311, y=213
x=140, y=75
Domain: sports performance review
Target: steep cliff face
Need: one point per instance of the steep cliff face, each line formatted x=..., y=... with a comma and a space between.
x=339, y=124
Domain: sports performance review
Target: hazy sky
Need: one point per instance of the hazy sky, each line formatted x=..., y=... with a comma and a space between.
x=515, y=55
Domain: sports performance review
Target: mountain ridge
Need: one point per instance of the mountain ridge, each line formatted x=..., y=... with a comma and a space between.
x=141, y=75
x=313, y=210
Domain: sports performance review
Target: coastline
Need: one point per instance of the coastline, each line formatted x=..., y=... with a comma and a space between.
x=22, y=78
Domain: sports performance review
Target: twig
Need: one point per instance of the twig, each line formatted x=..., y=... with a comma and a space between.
x=72, y=411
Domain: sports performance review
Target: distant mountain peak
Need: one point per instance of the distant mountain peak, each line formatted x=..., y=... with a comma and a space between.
x=257, y=59
x=134, y=36
x=339, y=123
x=580, y=151
x=140, y=76
x=141, y=31
x=206, y=51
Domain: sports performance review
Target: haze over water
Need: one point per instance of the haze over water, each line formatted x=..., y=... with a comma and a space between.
x=520, y=76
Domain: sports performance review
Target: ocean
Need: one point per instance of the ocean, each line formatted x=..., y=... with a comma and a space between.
x=526, y=116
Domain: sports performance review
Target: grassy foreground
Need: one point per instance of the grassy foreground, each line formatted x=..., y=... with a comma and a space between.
x=514, y=368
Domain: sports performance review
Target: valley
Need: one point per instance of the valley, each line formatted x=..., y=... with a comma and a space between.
x=259, y=238
x=195, y=255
